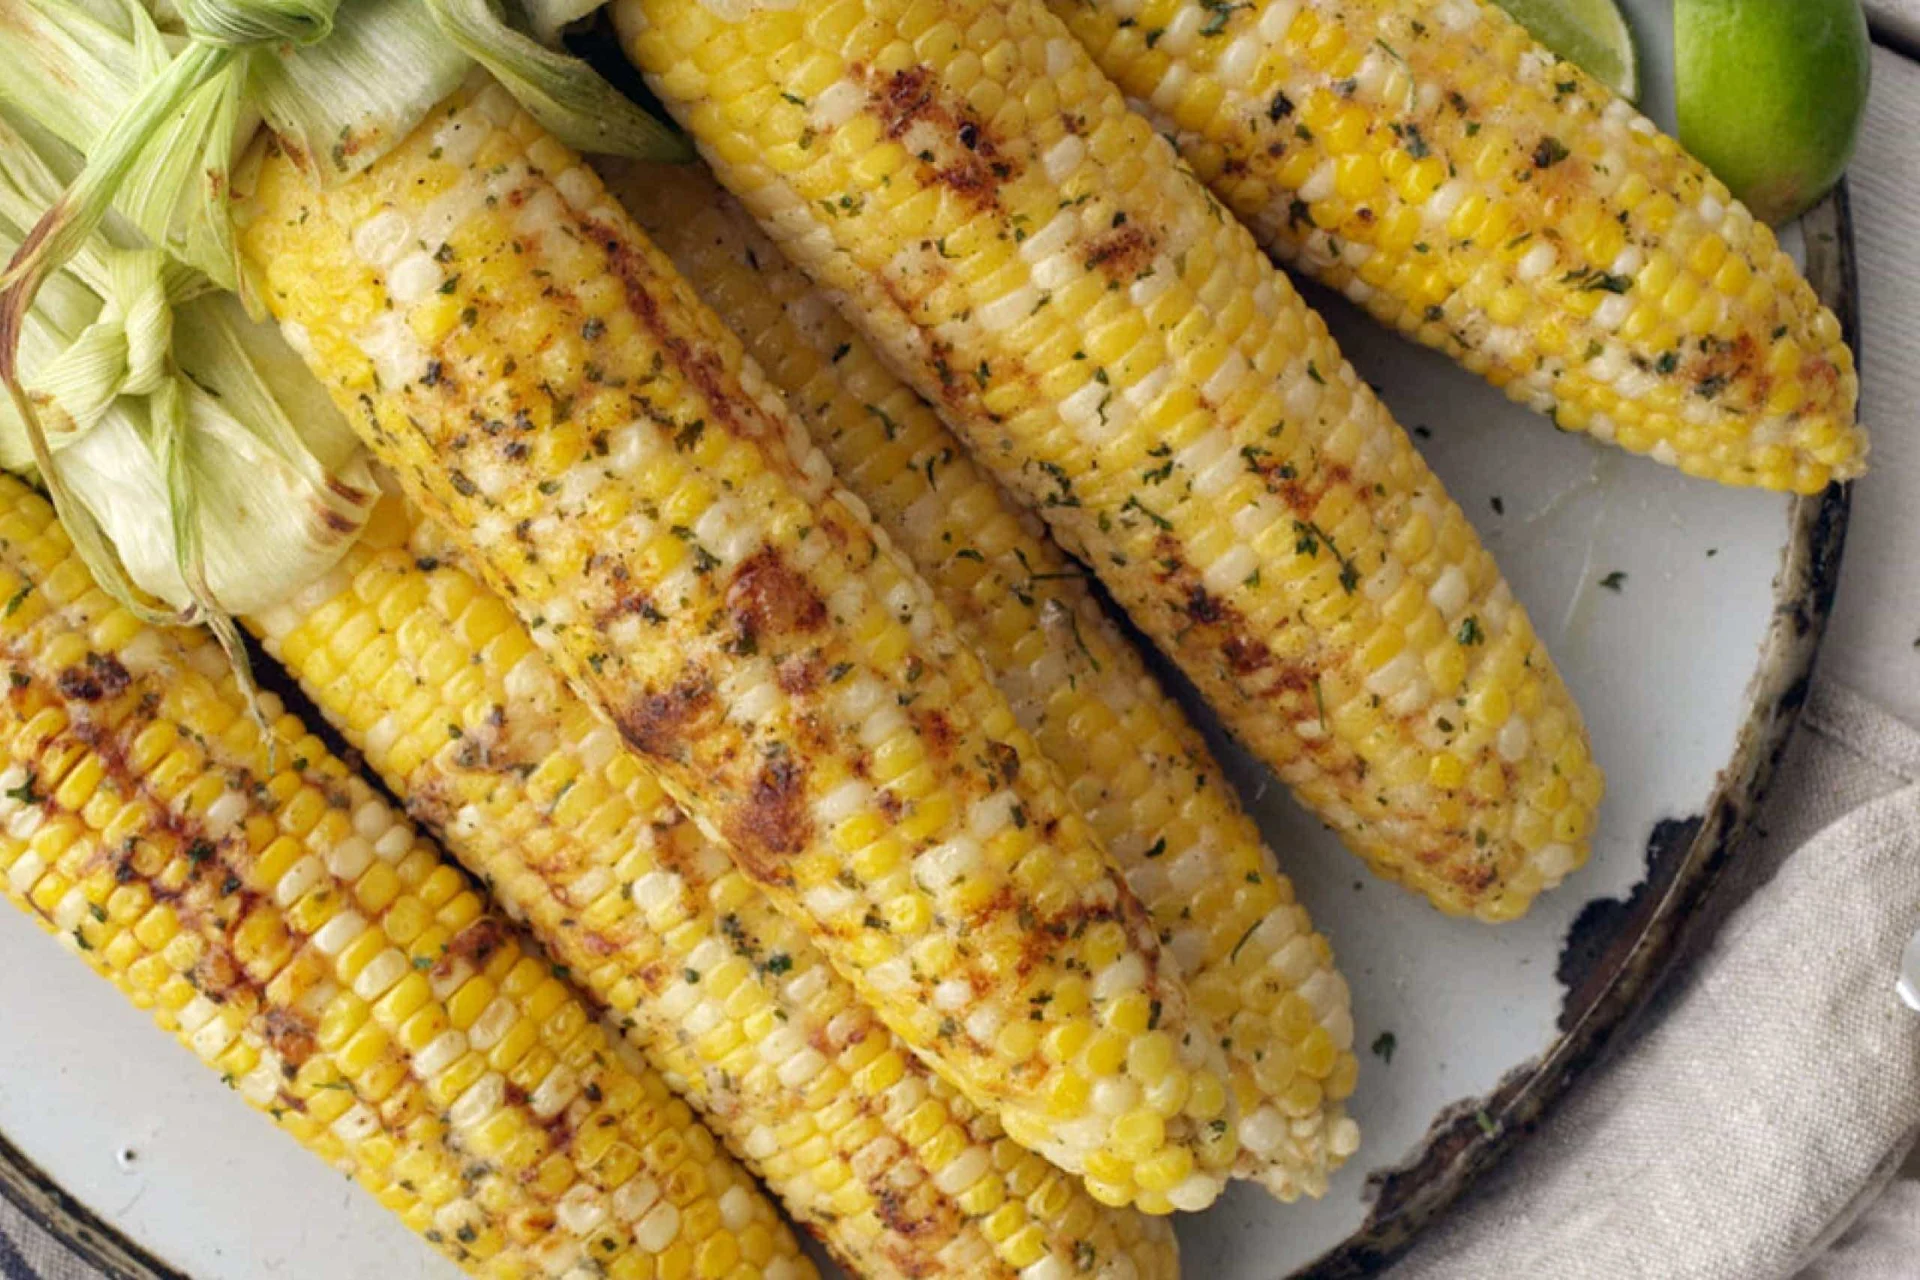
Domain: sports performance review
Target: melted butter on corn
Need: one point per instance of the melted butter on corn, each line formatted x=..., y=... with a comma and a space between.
x=1140, y=773
x=300, y=939
x=968, y=188
x=1498, y=204
x=543, y=383
x=435, y=679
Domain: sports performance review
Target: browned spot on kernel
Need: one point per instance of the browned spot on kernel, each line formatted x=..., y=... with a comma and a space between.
x=771, y=823
x=905, y=97
x=1206, y=608
x=936, y=731
x=640, y=281
x=1245, y=655
x=800, y=675
x=598, y=943
x=1728, y=369
x=98, y=676
x=477, y=943
x=964, y=156
x=290, y=1037
x=768, y=596
x=893, y=1210
x=1121, y=253
x=664, y=723
x=1821, y=373
x=813, y=735
x=1005, y=758
x=628, y=602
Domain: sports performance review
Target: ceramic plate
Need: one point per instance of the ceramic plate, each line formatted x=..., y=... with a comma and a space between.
x=1684, y=616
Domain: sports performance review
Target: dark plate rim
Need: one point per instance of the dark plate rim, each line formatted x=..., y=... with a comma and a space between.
x=1644, y=940
x=1621, y=952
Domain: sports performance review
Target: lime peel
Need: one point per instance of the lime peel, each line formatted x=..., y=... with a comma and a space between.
x=1591, y=34
x=1771, y=96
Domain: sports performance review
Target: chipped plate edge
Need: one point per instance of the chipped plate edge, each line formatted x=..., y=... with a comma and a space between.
x=1693, y=879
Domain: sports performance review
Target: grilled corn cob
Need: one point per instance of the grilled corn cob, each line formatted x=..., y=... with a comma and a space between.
x=547, y=386
x=979, y=200
x=300, y=939
x=432, y=676
x=1500, y=205
x=1141, y=775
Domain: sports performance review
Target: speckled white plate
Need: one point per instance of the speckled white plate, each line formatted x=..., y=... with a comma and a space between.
x=1689, y=672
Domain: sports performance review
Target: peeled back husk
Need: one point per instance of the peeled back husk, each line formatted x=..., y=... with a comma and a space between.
x=211, y=477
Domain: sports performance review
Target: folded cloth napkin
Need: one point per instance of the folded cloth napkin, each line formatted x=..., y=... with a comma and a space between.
x=1773, y=1088
x=1883, y=1244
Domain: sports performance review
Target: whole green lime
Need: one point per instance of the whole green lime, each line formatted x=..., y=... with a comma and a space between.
x=1771, y=94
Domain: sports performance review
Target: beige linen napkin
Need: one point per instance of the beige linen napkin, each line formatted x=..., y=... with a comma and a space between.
x=1772, y=1089
x=1884, y=1244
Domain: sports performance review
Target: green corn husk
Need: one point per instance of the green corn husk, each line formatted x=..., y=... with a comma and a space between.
x=196, y=480
x=170, y=417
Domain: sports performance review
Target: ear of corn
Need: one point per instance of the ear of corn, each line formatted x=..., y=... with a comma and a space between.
x=432, y=676
x=546, y=385
x=298, y=937
x=1144, y=779
x=1498, y=204
x=978, y=199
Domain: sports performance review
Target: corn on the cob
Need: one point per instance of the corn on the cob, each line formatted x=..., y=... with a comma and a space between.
x=544, y=383
x=1498, y=204
x=300, y=939
x=432, y=676
x=978, y=198
x=1141, y=775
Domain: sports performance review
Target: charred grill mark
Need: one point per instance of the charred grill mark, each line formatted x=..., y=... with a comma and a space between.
x=432, y=803
x=665, y=724
x=937, y=731
x=1121, y=253
x=725, y=403
x=905, y=97
x=813, y=735
x=630, y=602
x=893, y=1210
x=597, y=944
x=770, y=598
x=478, y=943
x=1206, y=608
x=771, y=823
x=344, y=490
x=1245, y=655
x=212, y=902
x=290, y=1037
x=967, y=159
x=1004, y=758
x=1301, y=495
x=800, y=675
x=98, y=676
x=336, y=523
x=1719, y=365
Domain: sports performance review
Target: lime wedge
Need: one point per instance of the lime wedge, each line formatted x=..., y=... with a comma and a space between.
x=1591, y=34
x=1771, y=94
